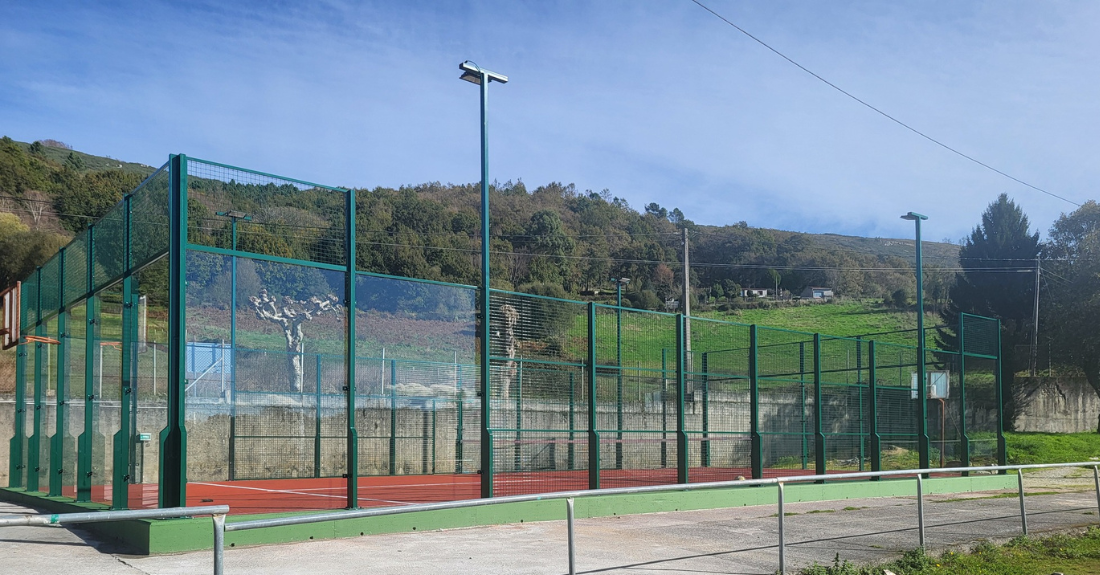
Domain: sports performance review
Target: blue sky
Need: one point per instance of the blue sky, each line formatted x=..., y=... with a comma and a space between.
x=656, y=101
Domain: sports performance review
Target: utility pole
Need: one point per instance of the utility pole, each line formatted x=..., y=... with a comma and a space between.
x=687, y=302
x=1035, y=324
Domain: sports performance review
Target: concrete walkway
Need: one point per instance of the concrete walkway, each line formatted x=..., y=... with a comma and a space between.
x=741, y=540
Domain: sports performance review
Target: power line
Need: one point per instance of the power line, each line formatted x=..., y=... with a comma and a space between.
x=879, y=111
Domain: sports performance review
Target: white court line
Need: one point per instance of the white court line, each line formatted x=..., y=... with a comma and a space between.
x=295, y=492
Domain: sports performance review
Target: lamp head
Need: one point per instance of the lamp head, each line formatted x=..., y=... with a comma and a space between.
x=473, y=74
x=620, y=281
x=235, y=214
x=914, y=216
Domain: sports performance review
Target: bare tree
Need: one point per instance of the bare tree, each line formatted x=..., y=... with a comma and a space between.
x=36, y=203
x=290, y=314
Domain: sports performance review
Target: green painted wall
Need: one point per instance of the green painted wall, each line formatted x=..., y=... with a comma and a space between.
x=177, y=535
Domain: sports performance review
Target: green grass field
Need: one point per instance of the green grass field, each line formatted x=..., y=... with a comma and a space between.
x=1078, y=554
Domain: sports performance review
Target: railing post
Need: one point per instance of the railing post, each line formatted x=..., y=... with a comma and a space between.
x=872, y=410
x=1023, y=510
x=219, y=544
x=593, y=435
x=756, y=445
x=1096, y=480
x=920, y=509
x=572, y=541
x=782, y=536
x=681, y=433
x=819, y=428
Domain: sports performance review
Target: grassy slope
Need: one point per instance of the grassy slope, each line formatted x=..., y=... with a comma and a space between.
x=850, y=318
x=92, y=163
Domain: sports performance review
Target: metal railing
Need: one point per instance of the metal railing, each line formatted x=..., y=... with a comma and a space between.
x=216, y=512
x=570, y=496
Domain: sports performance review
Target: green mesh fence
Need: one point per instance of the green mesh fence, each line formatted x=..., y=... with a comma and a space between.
x=845, y=373
x=270, y=215
x=149, y=223
x=896, y=405
x=266, y=394
x=538, y=393
x=785, y=367
x=76, y=269
x=636, y=396
x=719, y=414
x=109, y=248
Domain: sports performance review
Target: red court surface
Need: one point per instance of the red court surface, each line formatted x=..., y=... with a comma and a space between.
x=296, y=495
x=291, y=495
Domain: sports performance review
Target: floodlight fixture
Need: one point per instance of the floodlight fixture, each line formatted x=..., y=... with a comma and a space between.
x=473, y=74
x=912, y=216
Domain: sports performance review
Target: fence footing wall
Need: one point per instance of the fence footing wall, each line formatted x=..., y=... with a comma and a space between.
x=149, y=537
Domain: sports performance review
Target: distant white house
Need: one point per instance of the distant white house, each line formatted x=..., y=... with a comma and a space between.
x=754, y=292
x=817, y=293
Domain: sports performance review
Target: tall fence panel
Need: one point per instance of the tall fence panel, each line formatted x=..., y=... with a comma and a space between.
x=297, y=364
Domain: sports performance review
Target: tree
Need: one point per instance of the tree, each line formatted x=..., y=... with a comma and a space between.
x=1070, y=317
x=989, y=286
x=290, y=314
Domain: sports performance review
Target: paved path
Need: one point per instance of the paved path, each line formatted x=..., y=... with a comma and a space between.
x=740, y=540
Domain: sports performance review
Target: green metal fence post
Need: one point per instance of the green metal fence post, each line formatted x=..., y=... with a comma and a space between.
x=349, y=358
x=91, y=335
x=516, y=451
x=819, y=427
x=459, y=407
x=756, y=455
x=572, y=420
x=964, y=459
x=872, y=409
x=704, y=453
x=15, y=450
x=593, y=435
x=84, y=471
x=1002, y=448
x=485, y=372
x=393, y=417
x=802, y=392
x=316, y=418
x=664, y=408
x=34, y=448
x=173, y=439
x=123, y=437
x=862, y=419
x=57, y=443
x=681, y=391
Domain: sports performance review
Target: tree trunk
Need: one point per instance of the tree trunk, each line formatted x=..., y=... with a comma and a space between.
x=295, y=347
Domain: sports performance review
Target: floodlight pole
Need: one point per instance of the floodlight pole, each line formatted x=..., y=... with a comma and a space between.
x=922, y=386
x=474, y=74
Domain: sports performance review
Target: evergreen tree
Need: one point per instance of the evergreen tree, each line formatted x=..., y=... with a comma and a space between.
x=990, y=286
x=1074, y=304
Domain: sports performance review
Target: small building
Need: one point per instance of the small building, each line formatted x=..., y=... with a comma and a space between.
x=817, y=293
x=754, y=292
